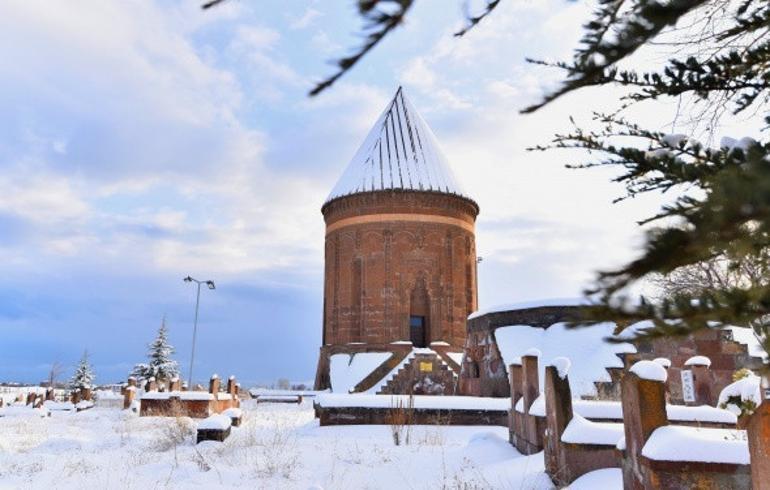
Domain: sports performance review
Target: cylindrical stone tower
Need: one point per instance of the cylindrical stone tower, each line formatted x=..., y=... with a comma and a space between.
x=400, y=246
x=400, y=266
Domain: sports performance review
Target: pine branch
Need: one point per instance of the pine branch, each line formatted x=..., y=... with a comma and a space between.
x=380, y=24
x=733, y=219
x=211, y=3
x=472, y=20
x=632, y=28
x=663, y=166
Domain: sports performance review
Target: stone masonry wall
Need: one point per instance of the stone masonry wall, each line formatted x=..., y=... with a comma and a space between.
x=484, y=372
x=392, y=254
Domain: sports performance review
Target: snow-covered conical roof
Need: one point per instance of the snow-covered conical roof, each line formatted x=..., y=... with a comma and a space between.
x=400, y=152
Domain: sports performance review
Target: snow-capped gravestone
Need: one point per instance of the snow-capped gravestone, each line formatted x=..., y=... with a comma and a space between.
x=759, y=446
x=235, y=414
x=702, y=381
x=660, y=455
x=129, y=393
x=644, y=410
x=573, y=445
x=742, y=397
x=214, y=428
x=526, y=430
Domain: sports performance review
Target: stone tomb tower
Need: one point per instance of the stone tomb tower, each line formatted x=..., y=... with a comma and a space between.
x=400, y=254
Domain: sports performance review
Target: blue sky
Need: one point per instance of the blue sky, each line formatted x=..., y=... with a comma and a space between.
x=142, y=141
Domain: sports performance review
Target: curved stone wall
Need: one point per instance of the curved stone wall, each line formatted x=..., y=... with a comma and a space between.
x=393, y=255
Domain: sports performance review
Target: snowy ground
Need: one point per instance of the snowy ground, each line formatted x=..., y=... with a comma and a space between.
x=278, y=446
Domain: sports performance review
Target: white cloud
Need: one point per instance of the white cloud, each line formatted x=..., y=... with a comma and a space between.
x=307, y=19
x=417, y=74
x=44, y=199
x=323, y=43
x=150, y=128
x=255, y=38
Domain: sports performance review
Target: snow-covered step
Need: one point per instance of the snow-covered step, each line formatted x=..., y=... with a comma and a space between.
x=423, y=371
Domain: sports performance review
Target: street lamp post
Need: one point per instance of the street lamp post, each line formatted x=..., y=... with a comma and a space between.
x=210, y=284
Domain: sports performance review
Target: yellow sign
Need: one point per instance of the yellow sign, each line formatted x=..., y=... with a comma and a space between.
x=426, y=367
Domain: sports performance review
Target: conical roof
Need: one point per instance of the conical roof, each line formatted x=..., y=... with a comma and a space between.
x=400, y=152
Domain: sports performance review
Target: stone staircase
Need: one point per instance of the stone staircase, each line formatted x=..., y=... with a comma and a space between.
x=423, y=373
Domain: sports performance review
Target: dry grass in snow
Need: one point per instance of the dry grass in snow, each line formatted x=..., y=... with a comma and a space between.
x=278, y=446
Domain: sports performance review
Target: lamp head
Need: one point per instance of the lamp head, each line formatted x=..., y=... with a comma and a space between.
x=210, y=284
x=187, y=279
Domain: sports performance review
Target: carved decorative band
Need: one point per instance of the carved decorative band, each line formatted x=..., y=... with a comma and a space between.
x=405, y=217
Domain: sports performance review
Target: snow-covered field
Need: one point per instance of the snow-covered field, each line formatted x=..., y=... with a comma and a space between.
x=278, y=446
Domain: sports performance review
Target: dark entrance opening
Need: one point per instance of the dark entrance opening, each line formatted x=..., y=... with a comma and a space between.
x=417, y=330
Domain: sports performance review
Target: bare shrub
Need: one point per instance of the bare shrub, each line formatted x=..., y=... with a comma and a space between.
x=382, y=453
x=179, y=430
x=23, y=434
x=400, y=418
x=265, y=451
x=25, y=470
x=77, y=465
x=434, y=433
x=467, y=477
x=353, y=454
x=199, y=460
x=279, y=454
x=125, y=430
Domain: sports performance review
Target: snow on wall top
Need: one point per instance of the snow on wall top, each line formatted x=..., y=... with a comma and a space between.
x=583, y=431
x=745, y=389
x=747, y=336
x=650, y=370
x=676, y=443
x=215, y=422
x=400, y=152
x=585, y=347
x=698, y=361
x=530, y=304
x=346, y=371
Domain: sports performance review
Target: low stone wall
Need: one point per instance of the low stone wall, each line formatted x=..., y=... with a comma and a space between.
x=358, y=409
x=174, y=406
x=418, y=416
x=178, y=402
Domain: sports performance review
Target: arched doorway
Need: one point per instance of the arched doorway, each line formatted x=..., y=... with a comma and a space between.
x=419, y=314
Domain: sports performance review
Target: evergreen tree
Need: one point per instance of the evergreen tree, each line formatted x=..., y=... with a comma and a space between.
x=160, y=366
x=721, y=215
x=84, y=374
x=720, y=63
